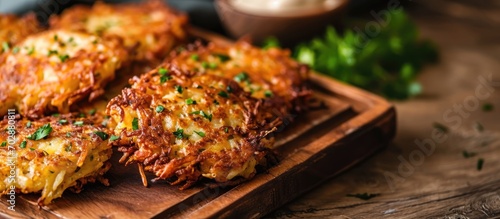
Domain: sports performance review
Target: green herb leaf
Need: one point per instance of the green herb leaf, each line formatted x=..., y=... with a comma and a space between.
x=3, y=144
x=102, y=135
x=5, y=47
x=242, y=76
x=28, y=124
x=178, y=89
x=64, y=57
x=364, y=196
x=68, y=148
x=268, y=93
x=195, y=57
x=23, y=144
x=480, y=164
x=32, y=149
x=114, y=138
x=31, y=50
x=200, y=133
x=159, y=108
x=40, y=133
x=207, y=116
x=223, y=94
x=179, y=133
x=92, y=112
x=223, y=57
x=135, y=124
x=15, y=50
x=229, y=89
x=52, y=52
x=488, y=107
x=63, y=121
x=78, y=123
x=190, y=101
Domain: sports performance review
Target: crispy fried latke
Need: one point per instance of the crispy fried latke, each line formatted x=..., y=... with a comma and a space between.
x=13, y=29
x=53, y=154
x=53, y=70
x=149, y=30
x=183, y=128
x=270, y=75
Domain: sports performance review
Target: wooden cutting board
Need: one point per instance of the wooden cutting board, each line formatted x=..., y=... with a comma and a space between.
x=350, y=125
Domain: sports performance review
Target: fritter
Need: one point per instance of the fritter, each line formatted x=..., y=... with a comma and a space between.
x=149, y=30
x=52, y=70
x=13, y=29
x=183, y=128
x=269, y=74
x=51, y=154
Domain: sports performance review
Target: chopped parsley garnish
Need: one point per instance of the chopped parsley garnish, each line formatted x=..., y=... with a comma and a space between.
x=3, y=144
x=32, y=149
x=68, y=134
x=78, y=123
x=23, y=144
x=200, y=133
x=135, y=124
x=56, y=115
x=488, y=107
x=28, y=124
x=15, y=50
x=162, y=71
x=190, y=101
x=70, y=39
x=63, y=121
x=226, y=129
x=63, y=58
x=468, y=154
x=52, y=52
x=196, y=112
x=114, y=138
x=210, y=65
x=31, y=50
x=68, y=148
x=81, y=115
x=102, y=135
x=164, y=77
x=56, y=37
x=92, y=112
x=364, y=196
x=268, y=93
x=223, y=94
x=242, y=76
x=5, y=47
x=207, y=116
x=195, y=57
x=159, y=108
x=480, y=163
x=440, y=127
x=229, y=89
x=40, y=133
x=223, y=57
x=179, y=133
x=178, y=88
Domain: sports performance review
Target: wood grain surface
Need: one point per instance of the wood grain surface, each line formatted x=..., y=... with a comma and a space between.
x=444, y=184
x=350, y=125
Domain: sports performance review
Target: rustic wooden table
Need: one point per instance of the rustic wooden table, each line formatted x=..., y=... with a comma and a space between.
x=416, y=181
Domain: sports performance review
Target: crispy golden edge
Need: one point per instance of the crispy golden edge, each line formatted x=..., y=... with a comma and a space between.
x=168, y=33
x=25, y=127
x=13, y=29
x=90, y=85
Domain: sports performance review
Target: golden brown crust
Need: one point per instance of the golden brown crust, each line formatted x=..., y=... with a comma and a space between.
x=149, y=30
x=13, y=29
x=270, y=75
x=200, y=129
x=53, y=70
x=71, y=153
